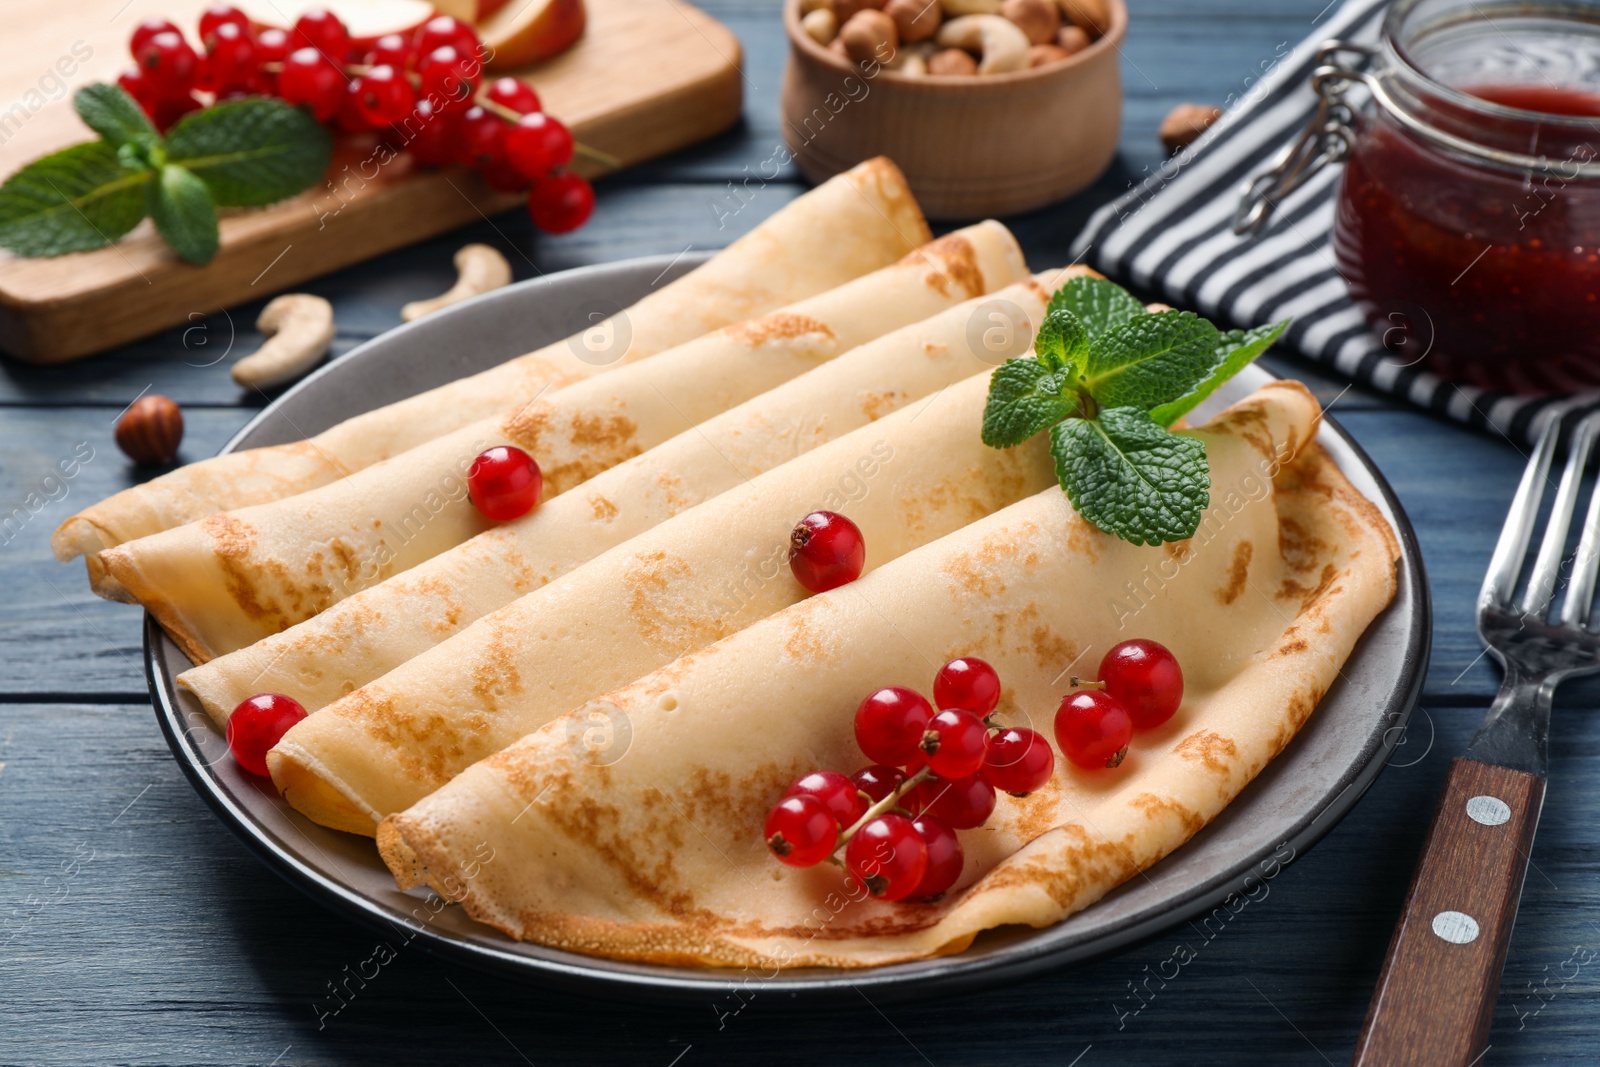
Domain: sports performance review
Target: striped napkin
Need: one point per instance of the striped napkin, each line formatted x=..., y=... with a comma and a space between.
x=1173, y=235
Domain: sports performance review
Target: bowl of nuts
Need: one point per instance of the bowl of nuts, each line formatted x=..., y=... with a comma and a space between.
x=990, y=107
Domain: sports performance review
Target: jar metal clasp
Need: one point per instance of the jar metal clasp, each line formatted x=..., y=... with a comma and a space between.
x=1327, y=137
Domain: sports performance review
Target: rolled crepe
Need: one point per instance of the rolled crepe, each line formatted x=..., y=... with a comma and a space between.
x=236, y=577
x=922, y=472
x=655, y=852
x=376, y=630
x=855, y=223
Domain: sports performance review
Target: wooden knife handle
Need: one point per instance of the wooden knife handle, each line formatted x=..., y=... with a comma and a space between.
x=1436, y=995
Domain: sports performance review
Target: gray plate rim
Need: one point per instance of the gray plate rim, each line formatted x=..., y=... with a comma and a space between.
x=1388, y=667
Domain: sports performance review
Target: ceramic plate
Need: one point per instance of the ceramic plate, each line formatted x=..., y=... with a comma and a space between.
x=1296, y=800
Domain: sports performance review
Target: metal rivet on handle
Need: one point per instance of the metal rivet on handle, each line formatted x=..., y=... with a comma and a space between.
x=1490, y=811
x=1455, y=927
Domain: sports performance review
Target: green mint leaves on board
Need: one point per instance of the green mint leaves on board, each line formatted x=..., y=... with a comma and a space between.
x=1107, y=379
x=241, y=153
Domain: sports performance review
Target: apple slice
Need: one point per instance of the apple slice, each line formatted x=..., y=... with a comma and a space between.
x=367, y=20
x=526, y=32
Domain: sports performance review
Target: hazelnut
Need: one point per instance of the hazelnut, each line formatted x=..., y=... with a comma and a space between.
x=820, y=25
x=957, y=8
x=870, y=36
x=1091, y=16
x=150, y=430
x=1039, y=19
x=808, y=6
x=1185, y=123
x=1042, y=55
x=1072, y=39
x=949, y=61
x=844, y=9
x=916, y=20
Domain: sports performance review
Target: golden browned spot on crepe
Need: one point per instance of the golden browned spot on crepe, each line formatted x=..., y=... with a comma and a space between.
x=1300, y=549
x=876, y=405
x=1308, y=595
x=1238, y=573
x=1050, y=647
x=654, y=585
x=233, y=540
x=1209, y=749
x=1087, y=860
x=604, y=510
x=1155, y=807
x=976, y=571
x=951, y=261
x=1294, y=716
x=440, y=593
x=805, y=639
x=780, y=325
x=494, y=667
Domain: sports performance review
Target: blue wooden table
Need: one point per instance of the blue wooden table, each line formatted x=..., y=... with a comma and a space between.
x=135, y=929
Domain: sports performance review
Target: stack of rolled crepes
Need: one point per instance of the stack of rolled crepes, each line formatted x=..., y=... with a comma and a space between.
x=608, y=694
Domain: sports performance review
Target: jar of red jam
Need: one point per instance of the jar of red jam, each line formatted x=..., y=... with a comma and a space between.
x=1467, y=220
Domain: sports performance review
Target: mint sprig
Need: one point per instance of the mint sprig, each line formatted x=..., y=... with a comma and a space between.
x=1107, y=380
x=243, y=153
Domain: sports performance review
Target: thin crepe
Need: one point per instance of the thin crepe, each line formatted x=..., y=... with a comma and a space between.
x=855, y=223
x=656, y=853
x=376, y=630
x=237, y=577
x=693, y=579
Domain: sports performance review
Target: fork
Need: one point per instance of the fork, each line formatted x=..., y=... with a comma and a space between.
x=1436, y=994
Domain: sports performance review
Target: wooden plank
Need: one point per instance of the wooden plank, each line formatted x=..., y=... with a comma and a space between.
x=136, y=930
x=646, y=78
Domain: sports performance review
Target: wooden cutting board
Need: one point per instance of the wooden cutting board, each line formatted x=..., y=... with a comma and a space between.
x=646, y=78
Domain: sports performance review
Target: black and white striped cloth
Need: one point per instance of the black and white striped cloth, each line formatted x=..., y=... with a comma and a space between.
x=1173, y=236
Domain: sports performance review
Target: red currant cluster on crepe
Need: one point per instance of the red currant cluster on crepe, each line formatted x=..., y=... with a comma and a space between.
x=826, y=550
x=934, y=771
x=1140, y=687
x=419, y=92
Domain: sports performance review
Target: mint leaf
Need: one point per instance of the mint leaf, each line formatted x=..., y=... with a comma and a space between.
x=1236, y=349
x=71, y=201
x=109, y=111
x=1150, y=360
x=184, y=214
x=1130, y=477
x=251, y=152
x=1025, y=396
x=1098, y=303
x=1062, y=341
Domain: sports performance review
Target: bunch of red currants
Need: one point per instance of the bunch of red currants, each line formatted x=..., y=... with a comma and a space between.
x=420, y=93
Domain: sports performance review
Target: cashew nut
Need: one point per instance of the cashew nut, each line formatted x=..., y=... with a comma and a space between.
x=299, y=328
x=481, y=269
x=1000, y=43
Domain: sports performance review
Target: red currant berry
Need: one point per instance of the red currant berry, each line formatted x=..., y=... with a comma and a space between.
x=826, y=550
x=1093, y=728
x=349, y=117
x=391, y=50
x=219, y=15
x=428, y=135
x=448, y=77
x=383, y=96
x=170, y=67
x=801, y=831
x=133, y=83
x=165, y=113
x=273, y=45
x=514, y=93
x=837, y=793
x=504, y=483
x=890, y=724
x=309, y=79
x=967, y=683
x=561, y=203
x=480, y=138
x=1018, y=760
x=442, y=31
x=954, y=743
x=964, y=803
x=321, y=29
x=258, y=724
x=1146, y=679
x=888, y=856
x=537, y=144
x=146, y=30
x=944, y=857
x=878, y=781
x=231, y=55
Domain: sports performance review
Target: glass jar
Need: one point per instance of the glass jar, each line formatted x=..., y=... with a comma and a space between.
x=1467, y=220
